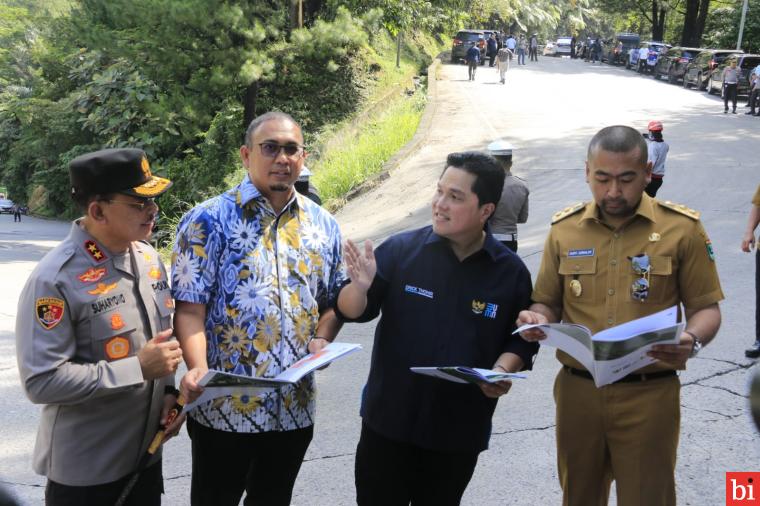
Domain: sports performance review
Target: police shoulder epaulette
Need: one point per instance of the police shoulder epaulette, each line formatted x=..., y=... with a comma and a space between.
x=561, y=215
x=680, y=208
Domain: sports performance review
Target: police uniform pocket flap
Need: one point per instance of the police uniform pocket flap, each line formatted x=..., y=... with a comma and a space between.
x=109, y=325
x=661, y=266
x=165, y=304
x=570, y=266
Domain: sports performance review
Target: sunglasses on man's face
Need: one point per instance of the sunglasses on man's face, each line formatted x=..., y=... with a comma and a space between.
x=642, y=267
x=272, y=149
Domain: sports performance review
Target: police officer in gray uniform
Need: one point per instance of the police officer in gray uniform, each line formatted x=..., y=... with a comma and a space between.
x=93, y=333
x=513, y=205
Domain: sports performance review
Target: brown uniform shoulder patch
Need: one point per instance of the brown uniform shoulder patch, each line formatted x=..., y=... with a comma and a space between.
x=568, y=211
x=680, y=208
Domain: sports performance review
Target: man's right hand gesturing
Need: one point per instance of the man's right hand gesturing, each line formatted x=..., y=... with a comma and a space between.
x=361, y=268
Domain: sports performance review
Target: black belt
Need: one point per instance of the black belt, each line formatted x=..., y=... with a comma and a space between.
x=631, y=378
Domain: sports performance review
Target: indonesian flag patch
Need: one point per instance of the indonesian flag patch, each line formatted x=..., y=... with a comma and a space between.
x=49, y=311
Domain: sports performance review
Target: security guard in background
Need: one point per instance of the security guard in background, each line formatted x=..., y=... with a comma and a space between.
x=513, y=205
x=620, y=257
x=92, y=338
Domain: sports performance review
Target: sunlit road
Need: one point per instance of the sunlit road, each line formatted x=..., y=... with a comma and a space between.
x=549, y=111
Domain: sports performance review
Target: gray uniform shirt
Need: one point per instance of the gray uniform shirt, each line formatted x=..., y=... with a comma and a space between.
x=82, y=316
x=512, y=208
x=657, y=153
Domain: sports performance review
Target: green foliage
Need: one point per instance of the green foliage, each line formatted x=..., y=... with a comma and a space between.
x=359, y=156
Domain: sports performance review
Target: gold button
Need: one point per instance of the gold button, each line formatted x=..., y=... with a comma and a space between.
x=616, y=235
x=613, y=261
x=577, y=267
x=609, y=321
x=611, y=291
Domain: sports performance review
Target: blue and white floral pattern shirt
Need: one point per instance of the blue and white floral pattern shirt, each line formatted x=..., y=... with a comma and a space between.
x=264, y=279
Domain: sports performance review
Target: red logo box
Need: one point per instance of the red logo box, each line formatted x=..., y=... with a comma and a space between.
x=743, y=489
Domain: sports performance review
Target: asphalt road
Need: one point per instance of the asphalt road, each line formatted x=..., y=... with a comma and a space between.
x=549, y=111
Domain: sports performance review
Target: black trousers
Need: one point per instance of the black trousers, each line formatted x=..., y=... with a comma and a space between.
x=146, y=492
x=754, y=97
x=653, y=186
x=511, y=245
x=729, y=93
x=391, y=473
x=264, y=464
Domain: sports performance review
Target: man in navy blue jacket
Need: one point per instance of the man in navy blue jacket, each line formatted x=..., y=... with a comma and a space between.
x=449, y=295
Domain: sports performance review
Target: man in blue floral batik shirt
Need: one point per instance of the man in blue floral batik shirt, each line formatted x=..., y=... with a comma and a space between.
x=254, y=271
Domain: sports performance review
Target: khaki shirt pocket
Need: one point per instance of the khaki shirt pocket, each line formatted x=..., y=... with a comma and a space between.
x=660, y=278
x=582, y=270
x=112, y=338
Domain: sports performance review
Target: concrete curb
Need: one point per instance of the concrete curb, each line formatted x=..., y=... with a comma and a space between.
x=411, y=147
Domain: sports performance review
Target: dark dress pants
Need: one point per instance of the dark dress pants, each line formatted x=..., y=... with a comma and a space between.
x=511, y=245
x=729, y=93
x=391, y=473
x=653, y=186
x=264, y=464
x=146, y=492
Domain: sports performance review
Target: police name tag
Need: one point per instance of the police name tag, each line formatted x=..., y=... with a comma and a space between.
x=580, y=253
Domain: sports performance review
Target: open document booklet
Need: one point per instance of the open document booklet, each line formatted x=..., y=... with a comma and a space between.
x=459, y=374
x=220, y=383
x=615, y=352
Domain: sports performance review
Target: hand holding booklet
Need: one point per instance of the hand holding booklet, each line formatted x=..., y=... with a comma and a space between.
x=615, y=352
x=220, y=383
x=459, y=374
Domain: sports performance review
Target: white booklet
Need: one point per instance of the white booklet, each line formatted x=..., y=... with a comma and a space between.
x=459, y=374
x=615, y=352
x=220, y=383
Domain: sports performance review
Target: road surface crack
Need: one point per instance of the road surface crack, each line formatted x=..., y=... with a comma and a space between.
x=529, y=429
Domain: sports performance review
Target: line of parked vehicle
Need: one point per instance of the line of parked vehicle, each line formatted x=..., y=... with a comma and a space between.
x=698, y=68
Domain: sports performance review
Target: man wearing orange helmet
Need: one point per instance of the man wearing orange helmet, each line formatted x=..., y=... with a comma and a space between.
x=658, y=152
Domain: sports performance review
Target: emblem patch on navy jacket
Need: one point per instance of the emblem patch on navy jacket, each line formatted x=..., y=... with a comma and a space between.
x=487, y=309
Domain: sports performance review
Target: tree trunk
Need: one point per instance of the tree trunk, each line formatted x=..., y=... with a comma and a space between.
x=658, y=21
x=704, y=5
x=690, y=23
x=296, y=14
x=249, y=105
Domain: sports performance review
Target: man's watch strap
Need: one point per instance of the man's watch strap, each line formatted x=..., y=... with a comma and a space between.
x=696, y=344
x=171, y=390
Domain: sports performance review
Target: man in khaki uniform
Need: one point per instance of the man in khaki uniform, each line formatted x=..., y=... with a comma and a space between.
x=621, y=257
x=92, y=338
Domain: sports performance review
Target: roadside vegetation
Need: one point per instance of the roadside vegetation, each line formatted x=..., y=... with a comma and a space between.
x=182, y=78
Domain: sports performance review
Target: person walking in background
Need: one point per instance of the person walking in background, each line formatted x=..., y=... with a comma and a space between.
x=513, y=204
x=572, y=47
x=730, y=84
x=748, y=242
x=522, y=46
x=642, y=61
x=472, y=58
x=657, y=151
x=17, y=213
x=503, y=57
x=491, y=49
x=533, y=47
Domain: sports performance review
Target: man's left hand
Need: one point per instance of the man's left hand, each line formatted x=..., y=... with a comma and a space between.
x=674, y=355
x=495, y=390
x=173, y=429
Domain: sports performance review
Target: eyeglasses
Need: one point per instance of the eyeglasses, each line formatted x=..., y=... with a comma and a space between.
x=642, y=267
x=272, y=149
x=140, y=206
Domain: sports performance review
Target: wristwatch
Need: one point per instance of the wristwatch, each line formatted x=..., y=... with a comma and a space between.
x=696, y=344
